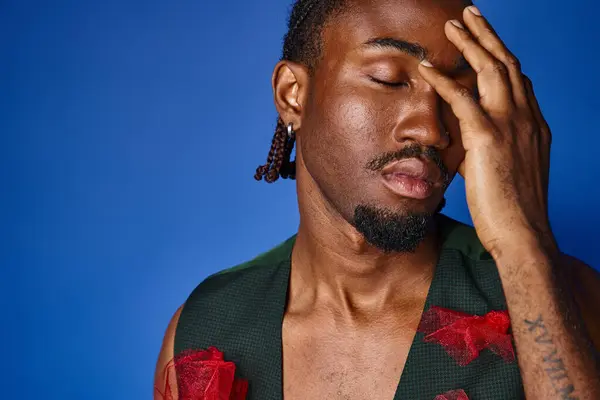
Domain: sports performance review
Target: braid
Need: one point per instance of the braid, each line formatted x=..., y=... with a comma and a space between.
x=278, y=161
x=299, y=14
x=302, y=44
x=288, y=169
x=263, y=170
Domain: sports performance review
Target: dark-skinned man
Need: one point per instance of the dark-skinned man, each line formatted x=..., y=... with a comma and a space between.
x=386, y=101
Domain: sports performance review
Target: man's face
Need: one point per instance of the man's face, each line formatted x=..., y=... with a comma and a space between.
x=359, y=136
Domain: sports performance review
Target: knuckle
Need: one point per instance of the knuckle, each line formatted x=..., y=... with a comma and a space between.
x=525, y=124
x=528, y=127
x=522, y=119
x=494, y=139
x=546, y=134
x=497, y=67
x=512, y=62
x=464, y=93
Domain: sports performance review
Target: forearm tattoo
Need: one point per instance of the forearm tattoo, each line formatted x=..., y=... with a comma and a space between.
x=553, y=365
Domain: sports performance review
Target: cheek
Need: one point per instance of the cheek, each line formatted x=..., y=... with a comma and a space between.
x=339, y=139
x=354, y=121
x=345, y=128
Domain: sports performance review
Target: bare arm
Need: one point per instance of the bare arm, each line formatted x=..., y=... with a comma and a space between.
x=585, y=286
x=584, y=283
x=165, y=380
x=556, y=355
x=506, y=170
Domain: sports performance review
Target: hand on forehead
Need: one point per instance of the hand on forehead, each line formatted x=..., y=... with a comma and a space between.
x=414, y=28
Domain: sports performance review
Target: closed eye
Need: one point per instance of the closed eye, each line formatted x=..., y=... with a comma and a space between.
x=389, y=84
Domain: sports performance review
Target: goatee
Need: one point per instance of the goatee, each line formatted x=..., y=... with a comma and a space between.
x=392, y=231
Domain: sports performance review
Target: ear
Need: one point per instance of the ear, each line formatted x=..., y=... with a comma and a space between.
x=290, y=91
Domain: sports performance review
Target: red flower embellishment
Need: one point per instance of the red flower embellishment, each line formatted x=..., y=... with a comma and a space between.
x=202, y=375
x=452, y=395
x=463, y=336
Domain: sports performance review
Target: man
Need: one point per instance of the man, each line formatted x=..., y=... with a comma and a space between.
x=386, y=100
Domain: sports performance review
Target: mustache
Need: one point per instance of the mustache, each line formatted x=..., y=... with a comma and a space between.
x=414, y=151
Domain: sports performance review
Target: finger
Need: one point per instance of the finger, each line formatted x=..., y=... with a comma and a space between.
x=483, y=32
x=471, y=117
x=545, y=134
x=536, y=110
x=492, y=76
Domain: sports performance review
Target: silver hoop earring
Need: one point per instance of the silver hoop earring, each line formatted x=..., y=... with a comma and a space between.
x=290, y=130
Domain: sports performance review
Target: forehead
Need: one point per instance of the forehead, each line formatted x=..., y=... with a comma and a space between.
x=416, y=21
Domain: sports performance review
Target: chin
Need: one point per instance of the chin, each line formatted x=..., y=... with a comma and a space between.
x=393, y=229
x=407, y=206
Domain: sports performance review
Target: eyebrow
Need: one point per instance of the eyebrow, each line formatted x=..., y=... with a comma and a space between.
x=412, y=49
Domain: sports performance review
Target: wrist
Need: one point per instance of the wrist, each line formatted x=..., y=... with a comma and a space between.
x=527, y=248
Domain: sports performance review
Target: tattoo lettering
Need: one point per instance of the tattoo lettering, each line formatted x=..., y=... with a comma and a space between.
x=556, y=371
x=538, y=325
x=565, y=393
x=553, y=365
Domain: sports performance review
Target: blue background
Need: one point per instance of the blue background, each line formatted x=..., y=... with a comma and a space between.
x=130, y=131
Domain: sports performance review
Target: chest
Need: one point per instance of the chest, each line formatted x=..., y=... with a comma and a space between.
x=343, y=364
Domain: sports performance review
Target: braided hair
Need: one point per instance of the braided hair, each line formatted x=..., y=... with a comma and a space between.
x=302, y=44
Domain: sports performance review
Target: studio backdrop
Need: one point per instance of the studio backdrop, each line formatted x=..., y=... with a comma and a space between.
x=130, y=132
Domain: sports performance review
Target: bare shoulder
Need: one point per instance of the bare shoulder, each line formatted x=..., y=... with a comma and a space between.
x=585, y=286
x=163, y=380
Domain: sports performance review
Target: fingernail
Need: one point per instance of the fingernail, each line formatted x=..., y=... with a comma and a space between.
x=426, y=63
x=457, y=24
x=474, y=10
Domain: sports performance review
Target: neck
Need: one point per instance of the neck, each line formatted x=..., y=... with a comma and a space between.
x=332, y=263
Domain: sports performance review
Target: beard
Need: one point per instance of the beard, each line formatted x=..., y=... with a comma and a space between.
x=395, y=231
x=392, y=231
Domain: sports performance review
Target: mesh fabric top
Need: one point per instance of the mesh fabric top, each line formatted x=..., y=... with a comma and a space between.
x=240, y=311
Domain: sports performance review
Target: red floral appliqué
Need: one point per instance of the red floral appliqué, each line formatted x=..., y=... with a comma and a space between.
x=202, y=375
x=463, y=336
x=452, y=395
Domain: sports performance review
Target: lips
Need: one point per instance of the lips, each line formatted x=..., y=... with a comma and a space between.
x=413, y=178
x=413, y=168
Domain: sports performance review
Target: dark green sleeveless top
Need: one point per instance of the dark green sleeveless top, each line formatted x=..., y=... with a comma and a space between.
x=240, y=311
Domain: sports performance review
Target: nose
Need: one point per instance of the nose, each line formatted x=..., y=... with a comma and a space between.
x=421, y=120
